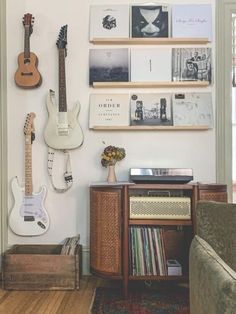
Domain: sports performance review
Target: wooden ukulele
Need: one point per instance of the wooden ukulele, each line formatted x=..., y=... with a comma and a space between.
x=27, y=74
x=62, y=130
x=28, y=216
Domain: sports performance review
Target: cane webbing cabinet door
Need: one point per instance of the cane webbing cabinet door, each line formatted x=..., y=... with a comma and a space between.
x=212, y=192
x=105, y=226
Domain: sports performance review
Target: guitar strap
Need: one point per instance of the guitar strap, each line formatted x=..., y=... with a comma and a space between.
x=67, y=175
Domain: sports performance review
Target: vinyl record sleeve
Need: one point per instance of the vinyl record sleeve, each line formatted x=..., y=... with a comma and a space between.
x=109, y=21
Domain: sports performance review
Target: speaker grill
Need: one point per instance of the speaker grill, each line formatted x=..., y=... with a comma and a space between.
x=160, y=207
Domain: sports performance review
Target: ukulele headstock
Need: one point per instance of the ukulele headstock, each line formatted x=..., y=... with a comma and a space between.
x=28, y=21
x=29, y=126
x=62, y=38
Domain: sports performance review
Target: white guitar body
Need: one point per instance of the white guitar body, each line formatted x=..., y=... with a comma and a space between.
x=63, y=130
x=28, y=216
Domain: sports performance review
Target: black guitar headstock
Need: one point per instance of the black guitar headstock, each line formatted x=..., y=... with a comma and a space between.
x=62, y=38
x=28, y=21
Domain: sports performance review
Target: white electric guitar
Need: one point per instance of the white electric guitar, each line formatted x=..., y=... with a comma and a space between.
x=28, y=216
x=63, y=130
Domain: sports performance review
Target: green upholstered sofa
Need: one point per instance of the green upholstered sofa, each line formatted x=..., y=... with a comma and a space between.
x=212, y=264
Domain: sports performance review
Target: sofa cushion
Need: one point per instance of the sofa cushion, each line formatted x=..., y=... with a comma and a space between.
x=212, y=281
x=216, y=224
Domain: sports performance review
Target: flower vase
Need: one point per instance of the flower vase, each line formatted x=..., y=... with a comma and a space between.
x=111, y=178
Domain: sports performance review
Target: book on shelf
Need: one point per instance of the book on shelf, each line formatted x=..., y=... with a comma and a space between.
x=150, y=109
x=192, y=21
x=149, y=21
x=192, y=109
x=150, y=65
x=109, y=110
x=109, y=21
x=191, y=64
x=108, y=65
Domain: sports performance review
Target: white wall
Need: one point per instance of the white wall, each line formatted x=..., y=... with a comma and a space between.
x=69, y=212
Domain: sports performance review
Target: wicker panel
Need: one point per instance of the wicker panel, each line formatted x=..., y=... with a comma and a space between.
x=105, y=245
x=213, y=196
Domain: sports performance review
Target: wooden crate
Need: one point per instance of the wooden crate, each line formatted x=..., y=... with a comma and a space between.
x=40, y=267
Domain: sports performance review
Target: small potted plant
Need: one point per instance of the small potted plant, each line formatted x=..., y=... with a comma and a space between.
x=109, y=158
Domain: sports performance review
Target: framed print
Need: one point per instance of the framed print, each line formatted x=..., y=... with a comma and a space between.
x=191, y=109
x=150, y=109
x=149, y=21
x=191, y=64
x=109, y=21
x=108, y=65
x=109, y=110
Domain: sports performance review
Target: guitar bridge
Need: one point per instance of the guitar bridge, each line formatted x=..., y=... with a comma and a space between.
x=29, y=218
x=27, y=73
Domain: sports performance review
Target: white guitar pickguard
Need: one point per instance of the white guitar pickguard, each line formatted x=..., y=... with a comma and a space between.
x=28, y=216
x=62, y=130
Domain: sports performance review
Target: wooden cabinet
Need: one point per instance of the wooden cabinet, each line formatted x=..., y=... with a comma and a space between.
x=110, y=223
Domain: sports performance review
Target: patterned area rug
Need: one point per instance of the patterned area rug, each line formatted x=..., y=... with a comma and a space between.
x=145, y=301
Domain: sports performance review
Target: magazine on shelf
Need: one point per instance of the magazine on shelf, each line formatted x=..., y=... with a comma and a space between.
x=191, y=64
x=150, y=21
x=192, y=21
x=108, y=65
x=192, y=109
x=109, y=21
x=150, y=109
x=153, y=65
x=109, y=110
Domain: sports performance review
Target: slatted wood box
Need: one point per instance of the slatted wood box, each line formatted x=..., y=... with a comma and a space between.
x=40, y=267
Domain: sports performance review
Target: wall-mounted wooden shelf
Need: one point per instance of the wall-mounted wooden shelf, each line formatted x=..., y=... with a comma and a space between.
x=150, y=128
x=150, y=84
x=149, y=41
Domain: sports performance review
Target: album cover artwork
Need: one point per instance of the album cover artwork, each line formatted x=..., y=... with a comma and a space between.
x=149, y=21
x=108, y=65
x=153, y=65
x=191, y=64
x=109, y=21
x=192, y=21
x=109, y=110
x=191, y=109
x=150, y=109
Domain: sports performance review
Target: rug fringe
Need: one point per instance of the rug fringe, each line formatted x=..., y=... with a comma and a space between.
x=92, y=301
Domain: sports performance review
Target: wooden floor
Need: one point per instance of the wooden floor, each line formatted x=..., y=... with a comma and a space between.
x=51, y=302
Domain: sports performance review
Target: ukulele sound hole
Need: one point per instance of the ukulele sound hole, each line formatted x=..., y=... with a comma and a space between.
x=27, y=61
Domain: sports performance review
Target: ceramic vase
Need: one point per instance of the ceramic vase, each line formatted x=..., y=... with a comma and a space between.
x=111, y=178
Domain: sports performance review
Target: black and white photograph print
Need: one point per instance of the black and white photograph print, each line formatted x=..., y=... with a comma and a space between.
x=108, y=65
x=109, y=21
x=149, y=21
x=150, y=109
x=191, y=64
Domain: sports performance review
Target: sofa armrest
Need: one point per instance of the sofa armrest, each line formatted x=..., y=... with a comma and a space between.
x=216, y=224
x=212, y=281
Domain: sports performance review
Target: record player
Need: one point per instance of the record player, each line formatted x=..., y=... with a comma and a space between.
x=161, y=175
